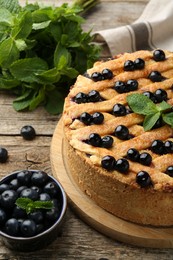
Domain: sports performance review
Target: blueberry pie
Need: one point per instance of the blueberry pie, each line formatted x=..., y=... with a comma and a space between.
x=118, y=128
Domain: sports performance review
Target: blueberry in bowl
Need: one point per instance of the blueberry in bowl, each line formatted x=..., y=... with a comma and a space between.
x=32, y=209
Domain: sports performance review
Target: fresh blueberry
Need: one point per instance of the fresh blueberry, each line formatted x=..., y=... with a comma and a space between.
x=108, y=162
x=28, y=132
x=29, y=193
x=39, y=228
x=143, y=179
x=150, y=95
x=14, y=184
x=36, y=216
x=39, y=178
x=122, y=132
x=28, y=228
x=119, y=110
x=157, y=147
x=159, y=55
x=139, y=64
x=85, y=118
x=94, y=96
x=107, y=141
x=168, y=146
x=120, y=87
x=3, y=187
x=145, y=158
x=51, y=188
x=3, y=155
x=37, y=189
x=52, y=214
x=44, y=196
x=18, y=213
x=160, y=95
x=3, y=217
x=8, y=199
x=19, y=190
x=129, y=65
x=80, y=98
x=95, y=140
x=96, y=76
x=155, y=76
x=169, y=170
x=97, y=118
x=122, y=165
x=133, y=154
x=24, y=177
x=132, y=85
x=107, y=74
x=12, y=227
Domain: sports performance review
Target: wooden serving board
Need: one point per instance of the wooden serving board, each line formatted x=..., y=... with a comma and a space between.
x=97, y=217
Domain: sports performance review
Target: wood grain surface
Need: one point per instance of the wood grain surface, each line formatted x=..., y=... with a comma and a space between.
x=78, y=240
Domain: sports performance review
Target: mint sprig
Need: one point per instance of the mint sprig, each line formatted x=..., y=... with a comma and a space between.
x=142, y=105
x=29, y=205
x=42, y=51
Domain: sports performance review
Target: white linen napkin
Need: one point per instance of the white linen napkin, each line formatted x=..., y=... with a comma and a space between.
x=152, y=30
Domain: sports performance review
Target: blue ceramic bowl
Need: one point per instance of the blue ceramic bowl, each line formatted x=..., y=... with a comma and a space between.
x=44, y=238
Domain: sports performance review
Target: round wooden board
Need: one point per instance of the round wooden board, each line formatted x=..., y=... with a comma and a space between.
x=97, y=217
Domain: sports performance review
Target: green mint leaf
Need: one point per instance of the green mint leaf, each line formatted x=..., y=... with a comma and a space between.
x=6, y=18
x=38, y=49
x=23, y=26
x=26, y=69
x=56, y=31
x=43, y=204
x=21, y=105
x=39, y=26
x=70, y=72
x=39, y=98
x=163, y=106
x=23, y=202
x=168, y=118
x=11, y=5
x=55, y=102
x=62, y=57
x=20, y=44
x=141, y=104
x=150, y=121
x=41, y=15
x=8, y=83
x=30, y=205
x=8, y=52
x=50, y=76
x=23, y=101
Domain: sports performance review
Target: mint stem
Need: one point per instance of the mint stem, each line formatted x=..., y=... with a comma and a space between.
x=86, y=5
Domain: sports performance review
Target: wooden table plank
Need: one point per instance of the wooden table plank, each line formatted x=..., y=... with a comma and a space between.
x=78, y=240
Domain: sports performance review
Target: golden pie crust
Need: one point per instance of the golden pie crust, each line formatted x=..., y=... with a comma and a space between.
x=114, y=191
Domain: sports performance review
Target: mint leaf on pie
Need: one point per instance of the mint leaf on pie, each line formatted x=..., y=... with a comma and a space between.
x=163, y=106
x=141, y=104
x=150, y=121
x=168, y=118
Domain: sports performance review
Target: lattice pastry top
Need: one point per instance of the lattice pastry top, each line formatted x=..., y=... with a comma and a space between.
x=102, y=127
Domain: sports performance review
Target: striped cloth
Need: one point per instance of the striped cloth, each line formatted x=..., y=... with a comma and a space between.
x=153, y=29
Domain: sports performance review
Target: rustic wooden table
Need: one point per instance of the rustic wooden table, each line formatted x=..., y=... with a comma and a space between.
x=78, y=240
